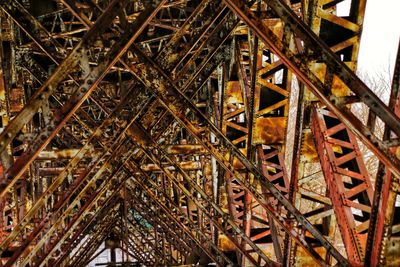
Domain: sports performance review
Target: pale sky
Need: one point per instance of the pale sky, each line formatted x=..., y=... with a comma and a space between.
x=380, y=36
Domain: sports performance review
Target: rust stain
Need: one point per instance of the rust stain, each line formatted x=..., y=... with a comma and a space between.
x=186, y=149
x=308, y=149
x=233, y=93
x=393, y=249
x=16, y=99
x=270, y=130
x=237, y=164
x=138, y=134
x=339, y=88
x=225, y=244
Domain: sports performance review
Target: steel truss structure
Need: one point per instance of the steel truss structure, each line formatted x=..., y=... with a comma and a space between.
x=186, y=132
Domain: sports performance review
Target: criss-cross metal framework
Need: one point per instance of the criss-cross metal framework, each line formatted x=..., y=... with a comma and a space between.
x=193, y=132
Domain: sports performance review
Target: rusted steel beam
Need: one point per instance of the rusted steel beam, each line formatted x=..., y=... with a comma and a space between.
x=151, y=153
x=170, y=149
x=273, y=166
x=76, y=239
x=94, y=241
x=254, y=79
x=57, y=154
x=234, y=115
x=347, y=179
x=86, y=150
x=145, y=247
x=172, y=170
x=321, y=18
x=103, y=182
x=387, y=192
x=3, y=99
x=141, y=182
x=90, y=83
x=342, y=74
x=47, y=89
x=186, y=165
x=159, y=221
x=86, y=192
x=158, y=82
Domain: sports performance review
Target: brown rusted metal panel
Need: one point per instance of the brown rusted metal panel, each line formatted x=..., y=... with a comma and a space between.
x=270, y=130
x=16, y=100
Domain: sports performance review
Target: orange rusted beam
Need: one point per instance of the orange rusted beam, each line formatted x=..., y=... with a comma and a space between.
x=299, y=65
x=387, y=191
x=168, y=94
x=347, y=179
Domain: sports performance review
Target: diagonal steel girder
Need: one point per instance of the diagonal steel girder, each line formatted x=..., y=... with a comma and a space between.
x=22, y=162
x=177, y=103
x=88, y=230
x=139, y=237
x=47, y=89
x=103, y=182
x=321, y=17
x=164, y=219
x=141, y=179
x=386, y=192
x=299, y=65
x=107, y=208
x=91, y=81
x=94, y=240
x=155, y=154
x=86, y=150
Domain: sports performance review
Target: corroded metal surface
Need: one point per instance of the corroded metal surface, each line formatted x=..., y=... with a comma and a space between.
x=163, y=129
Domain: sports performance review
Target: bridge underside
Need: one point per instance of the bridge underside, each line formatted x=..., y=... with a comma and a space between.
x=179, y=132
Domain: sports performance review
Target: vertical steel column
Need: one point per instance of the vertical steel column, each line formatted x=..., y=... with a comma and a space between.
x=323, y=20
x=383, y=242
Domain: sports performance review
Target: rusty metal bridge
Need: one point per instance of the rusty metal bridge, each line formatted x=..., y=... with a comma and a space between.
x=183, y=132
